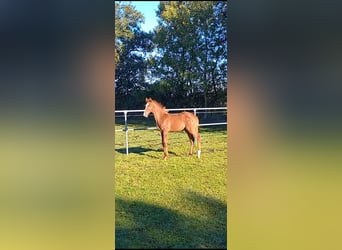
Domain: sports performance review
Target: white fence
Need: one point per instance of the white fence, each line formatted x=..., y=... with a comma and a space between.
x=126, y=129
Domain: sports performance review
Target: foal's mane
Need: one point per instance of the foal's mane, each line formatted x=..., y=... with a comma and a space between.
x=160, y=105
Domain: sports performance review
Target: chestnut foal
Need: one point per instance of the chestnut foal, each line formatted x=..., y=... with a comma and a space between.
x=174, y=122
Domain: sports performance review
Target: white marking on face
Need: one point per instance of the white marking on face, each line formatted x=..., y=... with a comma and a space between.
x=145, y=114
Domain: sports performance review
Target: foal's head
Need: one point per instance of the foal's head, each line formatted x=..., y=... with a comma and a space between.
x=148, y=107
x=152, y=106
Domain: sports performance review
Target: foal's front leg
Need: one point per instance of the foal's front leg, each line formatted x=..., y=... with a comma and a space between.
x=164, y=135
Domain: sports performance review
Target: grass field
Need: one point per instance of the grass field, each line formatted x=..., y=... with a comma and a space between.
x=175, y=203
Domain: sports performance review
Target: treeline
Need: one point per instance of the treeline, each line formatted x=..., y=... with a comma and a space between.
x=182, y=63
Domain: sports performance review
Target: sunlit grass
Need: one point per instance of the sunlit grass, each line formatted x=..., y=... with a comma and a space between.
x=175, y=203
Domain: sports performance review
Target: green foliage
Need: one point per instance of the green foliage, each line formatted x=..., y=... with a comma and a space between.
x=188, y=66
x=131, y=71
x=127, y=23
x=175, y=203
x=192, y=39
x=132, y=45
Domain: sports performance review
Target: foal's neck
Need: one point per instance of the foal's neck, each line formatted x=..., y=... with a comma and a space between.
x=158, y=114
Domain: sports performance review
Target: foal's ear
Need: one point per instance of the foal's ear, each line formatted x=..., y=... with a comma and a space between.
x=148, y=99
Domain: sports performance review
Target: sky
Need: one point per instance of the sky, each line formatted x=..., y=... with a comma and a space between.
x=147, y=8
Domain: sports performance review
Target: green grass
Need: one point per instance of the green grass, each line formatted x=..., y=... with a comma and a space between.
x=175, y=203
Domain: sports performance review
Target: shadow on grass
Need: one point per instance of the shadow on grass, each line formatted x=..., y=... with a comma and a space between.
x=142, y=225
x=140, y=151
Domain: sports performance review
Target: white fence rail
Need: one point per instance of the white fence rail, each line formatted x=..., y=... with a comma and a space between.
x=126, y=129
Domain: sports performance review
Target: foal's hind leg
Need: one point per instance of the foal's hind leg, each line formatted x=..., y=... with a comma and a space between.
x=194, y=135
x=199, y=145
x=192, y=140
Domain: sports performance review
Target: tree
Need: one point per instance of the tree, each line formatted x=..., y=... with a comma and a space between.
x=127, y=23
x=132, y=46
x=192, y=42
x=130, y=80
x=188, y=66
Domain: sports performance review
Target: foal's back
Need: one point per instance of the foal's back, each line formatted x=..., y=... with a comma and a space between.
x=180, y=121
